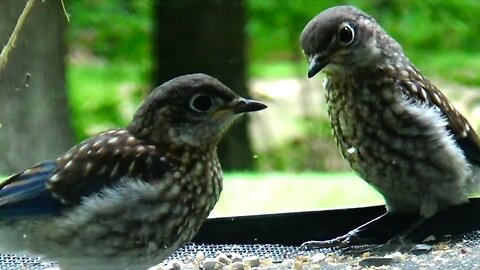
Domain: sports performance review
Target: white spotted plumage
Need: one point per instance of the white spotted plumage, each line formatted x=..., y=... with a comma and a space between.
x=126, y=198
x=410, y=143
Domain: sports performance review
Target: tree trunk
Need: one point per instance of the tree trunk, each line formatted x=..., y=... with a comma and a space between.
x=208, y=37
x=33, y=104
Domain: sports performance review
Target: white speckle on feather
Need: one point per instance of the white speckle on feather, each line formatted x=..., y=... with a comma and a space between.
x=113, y=140
x=55, y=178
x=131, y=167
x=98, y=142
x=83, y=148
x=68, y=165
x=88, y=168
x=424, y=94
x=114, y=170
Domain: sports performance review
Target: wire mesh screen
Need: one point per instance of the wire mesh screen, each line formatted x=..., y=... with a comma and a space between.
x=274, y=252
x=459, y=250
x=13, y=262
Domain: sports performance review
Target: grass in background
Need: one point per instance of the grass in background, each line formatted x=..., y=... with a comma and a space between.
x=259, y=193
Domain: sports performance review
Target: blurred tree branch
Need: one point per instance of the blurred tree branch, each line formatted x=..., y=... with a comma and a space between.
x=11, y=41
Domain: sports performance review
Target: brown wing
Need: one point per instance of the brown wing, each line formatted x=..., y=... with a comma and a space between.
x=425, y=91
x=102, y=161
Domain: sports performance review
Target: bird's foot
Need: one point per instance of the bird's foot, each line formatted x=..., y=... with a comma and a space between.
x=352, y=244
x=395, y=244
x=345, y=240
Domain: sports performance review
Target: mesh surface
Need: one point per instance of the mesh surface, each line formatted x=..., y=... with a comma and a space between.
x=275, y=252
x=13, y=262
x=188, y=252
x=278, y=253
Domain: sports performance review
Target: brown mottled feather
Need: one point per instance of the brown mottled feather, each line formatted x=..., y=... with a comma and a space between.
x=425, y=91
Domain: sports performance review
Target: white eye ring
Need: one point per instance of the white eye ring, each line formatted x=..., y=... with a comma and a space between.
x=201, y=103
x=346, y=34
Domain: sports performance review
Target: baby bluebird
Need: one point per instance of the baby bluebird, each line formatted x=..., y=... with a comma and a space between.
x=127, y=198
x=396, y=129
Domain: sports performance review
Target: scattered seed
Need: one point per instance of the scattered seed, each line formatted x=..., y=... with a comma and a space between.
x=211, y=264
x=421, y=249
x=199, y=257
x=318, y=258
x=235, y=257
x=375, y=261
x=252, y=261
x=396, y=256
x=238, y=266
x=223, y=259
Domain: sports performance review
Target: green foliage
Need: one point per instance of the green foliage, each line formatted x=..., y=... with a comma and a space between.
x=111, y=29
x=274, y=26
x=103, y=96
x=110, y=46
x=121, y=30
x=276, y=69
x=432, y=24
x=113, y=38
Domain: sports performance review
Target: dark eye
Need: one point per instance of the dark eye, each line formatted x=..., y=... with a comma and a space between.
x=201, y=103
x=346, y=34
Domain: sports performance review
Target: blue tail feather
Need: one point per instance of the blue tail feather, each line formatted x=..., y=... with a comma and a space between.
x=25, y=194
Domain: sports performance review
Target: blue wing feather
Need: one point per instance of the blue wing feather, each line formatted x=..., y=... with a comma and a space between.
x=25, y=194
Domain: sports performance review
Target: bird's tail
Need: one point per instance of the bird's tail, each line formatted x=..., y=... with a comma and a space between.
x=25, y=193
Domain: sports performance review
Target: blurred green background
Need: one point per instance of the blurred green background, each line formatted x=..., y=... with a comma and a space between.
x=297, y=165
x=110, y=43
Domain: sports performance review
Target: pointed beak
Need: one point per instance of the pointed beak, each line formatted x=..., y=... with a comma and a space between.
x=317, y=63
x=246, y=105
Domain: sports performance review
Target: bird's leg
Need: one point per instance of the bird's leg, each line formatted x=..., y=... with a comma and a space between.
x=377, y=231
x=397, y=241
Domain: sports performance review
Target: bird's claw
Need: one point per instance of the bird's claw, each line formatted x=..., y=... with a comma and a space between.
x=393, y=245
x=338, y=242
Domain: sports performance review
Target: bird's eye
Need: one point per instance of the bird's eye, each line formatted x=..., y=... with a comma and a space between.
x=346, y=34
x=201, y=103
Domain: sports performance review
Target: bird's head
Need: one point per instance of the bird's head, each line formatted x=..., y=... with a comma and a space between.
x=344, y=38
x=190, y=110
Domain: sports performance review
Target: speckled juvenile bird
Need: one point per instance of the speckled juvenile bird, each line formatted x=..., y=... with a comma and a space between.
x=395, y=128
x=127, y=198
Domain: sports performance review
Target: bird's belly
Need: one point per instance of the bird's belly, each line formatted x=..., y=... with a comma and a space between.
x=409, y=161
x=104, y=243
x=123, y=230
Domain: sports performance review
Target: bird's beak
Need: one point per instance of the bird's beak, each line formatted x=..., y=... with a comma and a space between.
x=317, y=63
x=246, y=105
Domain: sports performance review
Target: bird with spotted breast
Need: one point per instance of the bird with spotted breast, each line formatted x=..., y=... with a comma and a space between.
x=127, y=198
x=395, y=128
